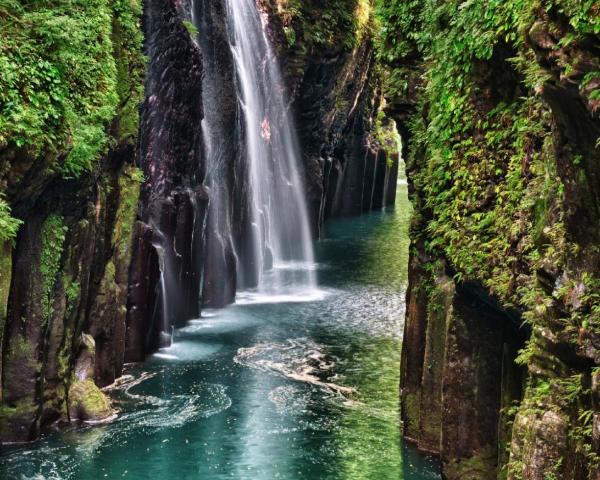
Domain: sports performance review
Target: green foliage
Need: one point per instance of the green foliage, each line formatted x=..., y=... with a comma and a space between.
x=490, y=181
x=129, y=190
x=128, y=46
x=61, y=84
x=191, y=28
x=9, y=226
x=387, y=136
x=336, y=23
x=52, y=239
x=484, y=162
x=397, y=27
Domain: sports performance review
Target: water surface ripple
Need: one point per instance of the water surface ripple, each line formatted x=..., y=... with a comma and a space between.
x=300, y=389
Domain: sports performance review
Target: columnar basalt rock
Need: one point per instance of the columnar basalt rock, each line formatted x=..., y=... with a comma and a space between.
x=103, y=243
x=70, y=258
x=502, y=167
x=173, y=199
x=336, y=101
x=227, y=215
x=69, y=268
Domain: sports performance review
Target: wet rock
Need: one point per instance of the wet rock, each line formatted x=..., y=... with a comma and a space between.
x=142, y=330
x=84, y=366
x=86, y=400
x=165, y=340
x=88, y=403
x=413, y=348
x=540, y=445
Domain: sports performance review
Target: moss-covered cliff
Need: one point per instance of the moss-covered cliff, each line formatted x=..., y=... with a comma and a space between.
x=498, y=104
x=103, y=176
x=70, y=85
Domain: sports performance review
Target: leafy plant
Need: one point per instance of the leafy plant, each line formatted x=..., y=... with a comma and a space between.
x=9, y=226
x=65, y=68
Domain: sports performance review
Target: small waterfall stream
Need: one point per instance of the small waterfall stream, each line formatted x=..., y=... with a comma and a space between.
x=282, y=252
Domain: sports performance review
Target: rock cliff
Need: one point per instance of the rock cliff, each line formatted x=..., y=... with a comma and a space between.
x=498, y=105
x=67, y=156
x=107, y=207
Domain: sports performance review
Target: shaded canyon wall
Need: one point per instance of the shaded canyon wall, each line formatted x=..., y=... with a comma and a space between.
x=65, y=274
x=498, y=107
x=109, y=229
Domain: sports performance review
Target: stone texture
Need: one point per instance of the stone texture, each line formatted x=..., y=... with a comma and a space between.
x=500, y=419
x=99, y=272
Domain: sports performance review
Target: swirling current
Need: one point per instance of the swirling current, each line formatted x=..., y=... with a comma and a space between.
x=286, y=388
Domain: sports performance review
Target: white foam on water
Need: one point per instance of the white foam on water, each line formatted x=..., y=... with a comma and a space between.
x=258, y=298
x=299, y=359
x=296, y=265
x=166, y=356
x=185, y=351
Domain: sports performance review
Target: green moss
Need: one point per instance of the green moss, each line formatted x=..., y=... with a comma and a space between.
x=129, y=191
x=20, y=409
x=64, y=355
x=60, y=83
x=20, y=348
x=87, y=402
x=128, y=47
x=5, y=279
x=481, y=465
x=411, y=406
x=481, y=199
x=72, y=289
x=52, y=240
x=19, y=352
x=496, y=180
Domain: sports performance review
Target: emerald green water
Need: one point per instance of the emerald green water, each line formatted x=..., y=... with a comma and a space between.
x=267, y=388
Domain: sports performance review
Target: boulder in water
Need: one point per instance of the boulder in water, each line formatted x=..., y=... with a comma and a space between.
x=86, y=400
x=88, y=403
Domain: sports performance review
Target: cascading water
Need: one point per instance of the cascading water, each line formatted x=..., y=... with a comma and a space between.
x=282, y=253
x=166, y=320
x=218, y=129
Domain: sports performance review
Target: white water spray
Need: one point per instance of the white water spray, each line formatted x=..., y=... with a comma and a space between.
x=282, y=248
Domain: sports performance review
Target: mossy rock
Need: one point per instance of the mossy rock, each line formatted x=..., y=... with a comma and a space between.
x=481, y=465
x=88, y=403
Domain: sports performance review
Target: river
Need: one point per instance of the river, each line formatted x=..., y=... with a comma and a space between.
x=267, y=388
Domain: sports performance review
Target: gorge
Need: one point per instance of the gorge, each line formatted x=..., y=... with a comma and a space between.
x=212, y=265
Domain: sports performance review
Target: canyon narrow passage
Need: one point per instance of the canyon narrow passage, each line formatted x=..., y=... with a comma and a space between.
x=266, y=390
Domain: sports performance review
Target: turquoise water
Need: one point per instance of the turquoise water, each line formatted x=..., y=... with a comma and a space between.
x=290, y=390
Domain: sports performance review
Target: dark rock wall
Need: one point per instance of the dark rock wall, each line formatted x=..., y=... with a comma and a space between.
x=174, y=201
x=64, y=277
x=348, y=172
x=70, y=264
x=459, y=376
x=336, y=98
x=227, y=212
x=500, y=351
x=80, y=286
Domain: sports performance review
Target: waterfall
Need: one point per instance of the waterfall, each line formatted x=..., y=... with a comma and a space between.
x=281, y=247
x=166, y=324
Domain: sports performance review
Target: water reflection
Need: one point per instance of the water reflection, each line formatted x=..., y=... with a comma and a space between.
x=260, y=391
